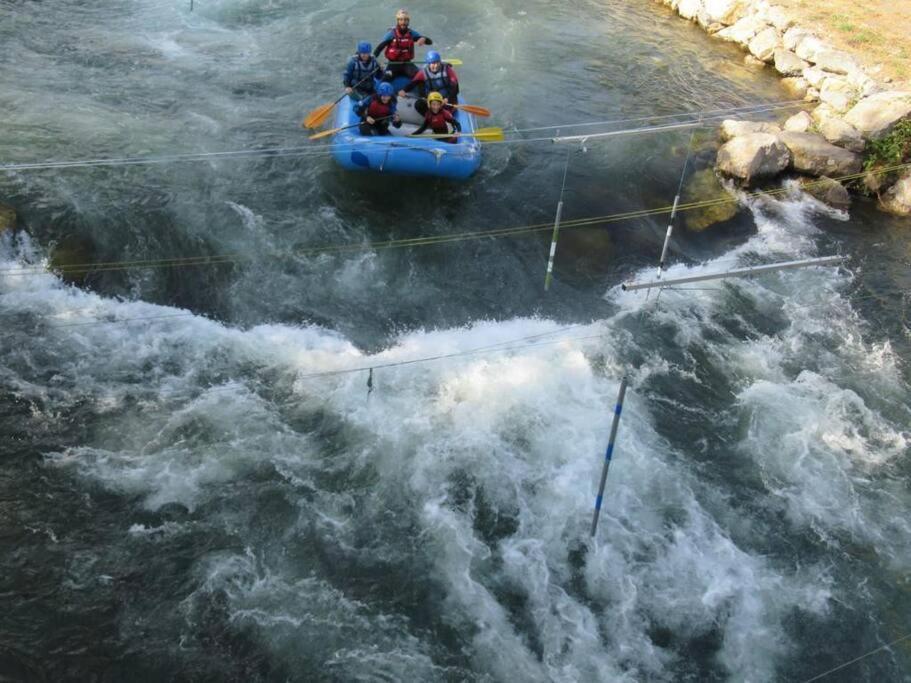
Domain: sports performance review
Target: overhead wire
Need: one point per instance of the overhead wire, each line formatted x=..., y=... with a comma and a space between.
x=402, y=142
x=426, y=240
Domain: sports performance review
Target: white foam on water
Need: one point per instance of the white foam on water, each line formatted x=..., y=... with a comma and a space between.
x=519, y=435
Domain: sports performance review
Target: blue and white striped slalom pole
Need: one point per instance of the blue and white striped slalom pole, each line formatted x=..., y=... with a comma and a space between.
x=609, y=454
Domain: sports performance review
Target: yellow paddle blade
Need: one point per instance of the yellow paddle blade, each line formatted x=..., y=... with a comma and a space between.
x=318, y=116
x=489, y=134
x=453, y=62
x=325, y=133
x=473, y=109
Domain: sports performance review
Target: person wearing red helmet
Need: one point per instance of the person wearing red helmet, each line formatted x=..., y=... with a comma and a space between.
x=399, y=43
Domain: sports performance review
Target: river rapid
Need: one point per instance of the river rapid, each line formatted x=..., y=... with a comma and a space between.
x=186, y=494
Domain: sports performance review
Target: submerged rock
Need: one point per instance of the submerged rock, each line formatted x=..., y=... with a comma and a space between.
x=828, y=191
x=753, y=156
x=70, y=257
x=814, y=155
x=796, y=86
x=731, y=128
x=877, y=115
x=7, y=218
x=704, y=185
x=897, y=198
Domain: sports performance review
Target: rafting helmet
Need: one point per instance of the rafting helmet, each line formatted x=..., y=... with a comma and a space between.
x=433, y=57
x=434, y=97
x=385, y=90
x=364, y=47
x=402, y=15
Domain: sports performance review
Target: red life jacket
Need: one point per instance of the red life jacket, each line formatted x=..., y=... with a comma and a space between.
x=437, y=122
x=401, y=49
x=378, y=110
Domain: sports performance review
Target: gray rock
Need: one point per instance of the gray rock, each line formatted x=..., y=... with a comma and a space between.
x=877, y=115
x=757, y=155
x=731, y=128
x=828, y=191
x=778, y=18
x=793, y=36
x=796, y=87
x=897, y=198
x=814, y=76
x=726, y=12
x=838, y=131
x=690, y=9
x=799, y=123
x=835, y=61
x=789, y=64
x=808, y=47
x=838, y=94
x=764, y=44
x=814, y=155
x=743, y=31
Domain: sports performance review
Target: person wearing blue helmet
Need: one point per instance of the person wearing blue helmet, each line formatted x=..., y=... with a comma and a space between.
x=436, y=76
x=377, y=111
x=361, y=73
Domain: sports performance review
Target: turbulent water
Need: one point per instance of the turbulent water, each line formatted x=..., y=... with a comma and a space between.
x=187, y=494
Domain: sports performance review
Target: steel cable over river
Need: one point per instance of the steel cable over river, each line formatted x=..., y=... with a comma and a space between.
x=197, y=481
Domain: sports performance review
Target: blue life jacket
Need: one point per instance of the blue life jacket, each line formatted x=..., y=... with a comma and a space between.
x=359, y=71
x=436, y=82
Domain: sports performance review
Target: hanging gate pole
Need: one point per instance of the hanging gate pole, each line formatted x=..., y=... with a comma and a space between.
x=609, y=454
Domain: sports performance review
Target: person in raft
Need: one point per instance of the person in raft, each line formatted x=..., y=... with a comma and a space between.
x=436, y=76
x=378, y=111
x=399, y=44
x=361, y=72
x=438, y=119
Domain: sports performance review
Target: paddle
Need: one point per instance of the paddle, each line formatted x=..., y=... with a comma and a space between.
x=482, y=134
x=451, y=62
x=470, y=108
x=318, y=116
x=333, y=131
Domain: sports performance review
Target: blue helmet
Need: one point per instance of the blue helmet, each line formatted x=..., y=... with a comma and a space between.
x=363, y=47
x=385, y=89
x=433, y=57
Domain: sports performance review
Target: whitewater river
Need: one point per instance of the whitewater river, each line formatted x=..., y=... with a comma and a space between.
x=184, y=496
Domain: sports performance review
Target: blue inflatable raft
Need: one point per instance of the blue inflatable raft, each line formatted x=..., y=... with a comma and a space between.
x=399, y=154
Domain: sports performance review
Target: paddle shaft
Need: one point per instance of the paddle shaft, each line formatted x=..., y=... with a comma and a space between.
x=333, y=131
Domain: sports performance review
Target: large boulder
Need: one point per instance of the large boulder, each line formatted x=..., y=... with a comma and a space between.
x=701, y=186
x=808, y=47
x=877, y=115
x=777, y=17
x=690, y=9
x=764, y=44
x=726, y=12
x=731, y=128
x=7, y=218
x=835, y=61
x=897, y=198
x=838, y=93
x=753, y=156
x=801, y=122
x=814, y=155
x=828, y=191
x=793, y=36
x=836, y=130
x=742, y=32
x=814, y=76
x=789, y=64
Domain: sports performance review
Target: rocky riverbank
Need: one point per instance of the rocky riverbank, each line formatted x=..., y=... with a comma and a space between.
x=853, y=125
